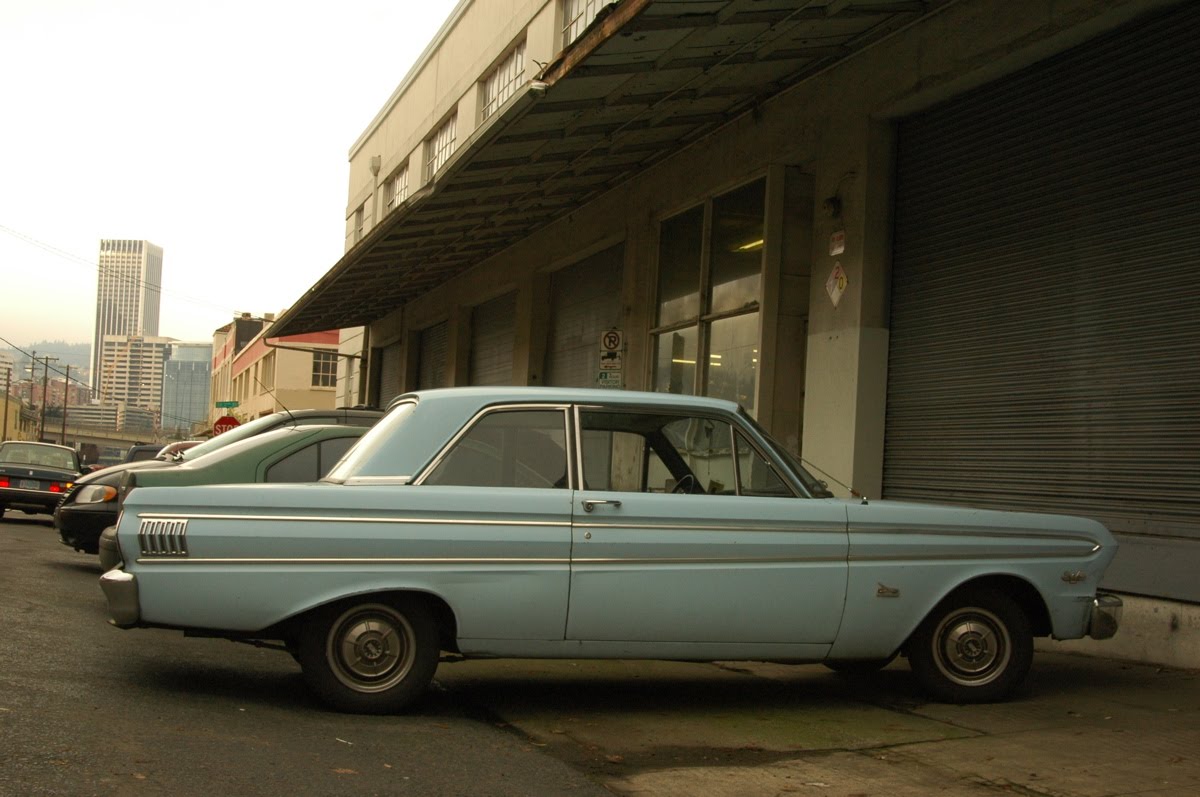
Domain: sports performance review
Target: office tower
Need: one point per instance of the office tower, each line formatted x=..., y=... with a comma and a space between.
x=187, y=379
x=128, y=292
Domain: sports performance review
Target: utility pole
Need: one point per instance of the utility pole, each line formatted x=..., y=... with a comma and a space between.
x=7, y=390
x=45, y=380
x=66, y=392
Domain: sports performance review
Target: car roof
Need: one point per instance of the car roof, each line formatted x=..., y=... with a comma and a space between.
x=485, y=396
x=34, y=443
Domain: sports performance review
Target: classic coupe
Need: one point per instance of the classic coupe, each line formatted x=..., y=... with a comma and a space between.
x=559, y=523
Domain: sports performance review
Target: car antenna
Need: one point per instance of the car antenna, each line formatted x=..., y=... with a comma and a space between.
x=839, y=483
x=277, y=401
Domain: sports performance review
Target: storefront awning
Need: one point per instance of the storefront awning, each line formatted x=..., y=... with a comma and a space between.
x=646, y=79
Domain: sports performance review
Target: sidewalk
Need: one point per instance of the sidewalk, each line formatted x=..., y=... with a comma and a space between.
x=1082, y=727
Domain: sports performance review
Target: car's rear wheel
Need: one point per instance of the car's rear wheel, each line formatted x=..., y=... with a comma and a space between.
x=371, y=656
x=975, y=647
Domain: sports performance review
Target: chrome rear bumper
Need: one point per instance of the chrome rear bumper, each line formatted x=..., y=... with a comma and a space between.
x=121, y=592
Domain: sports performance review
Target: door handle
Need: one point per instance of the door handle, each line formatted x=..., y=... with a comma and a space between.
x=590, y=503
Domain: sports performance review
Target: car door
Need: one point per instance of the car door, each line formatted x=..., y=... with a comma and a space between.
x=685, y=532
x=498, y=504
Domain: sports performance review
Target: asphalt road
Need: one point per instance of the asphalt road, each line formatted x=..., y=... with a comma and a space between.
x=86, y=708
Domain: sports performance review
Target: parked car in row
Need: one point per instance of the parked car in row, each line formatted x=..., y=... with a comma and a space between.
x=35, y=476
x=287, y=454
x=530, y=522
x=91, y=506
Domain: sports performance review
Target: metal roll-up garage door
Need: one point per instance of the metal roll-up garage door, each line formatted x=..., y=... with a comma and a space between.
x=391, y=371
x=492, y=334
x=431, y=363
x=1045, y=327
x=585, y=300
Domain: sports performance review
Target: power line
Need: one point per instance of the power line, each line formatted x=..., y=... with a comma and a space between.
x=131, y=280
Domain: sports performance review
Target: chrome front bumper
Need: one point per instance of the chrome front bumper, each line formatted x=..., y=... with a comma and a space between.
x=121, y=592
x=1105, y=616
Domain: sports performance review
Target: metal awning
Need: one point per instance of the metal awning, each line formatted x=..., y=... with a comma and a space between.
x=647, y=78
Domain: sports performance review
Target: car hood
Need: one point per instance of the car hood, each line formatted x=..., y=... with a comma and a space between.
x=116, y=470
x=915, y=517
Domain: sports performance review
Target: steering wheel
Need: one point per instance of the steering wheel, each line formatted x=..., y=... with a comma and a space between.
x=685, y=485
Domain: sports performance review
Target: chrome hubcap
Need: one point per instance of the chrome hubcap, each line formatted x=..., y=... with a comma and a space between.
x=370, y=648
x=972, y=646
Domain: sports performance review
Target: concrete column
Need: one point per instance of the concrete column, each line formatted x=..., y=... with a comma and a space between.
x=846, y=374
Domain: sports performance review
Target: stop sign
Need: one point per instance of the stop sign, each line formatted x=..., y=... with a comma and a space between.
x=224, y=424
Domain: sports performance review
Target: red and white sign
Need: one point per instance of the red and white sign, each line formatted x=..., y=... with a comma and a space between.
x=224, y=424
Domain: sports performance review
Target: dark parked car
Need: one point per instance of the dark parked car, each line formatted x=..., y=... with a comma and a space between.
x=91, y=506
x=286, y=455
x=141, y=453
x=35, y=476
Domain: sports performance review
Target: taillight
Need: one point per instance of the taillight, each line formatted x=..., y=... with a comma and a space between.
x=55, y=487
x=4, y=482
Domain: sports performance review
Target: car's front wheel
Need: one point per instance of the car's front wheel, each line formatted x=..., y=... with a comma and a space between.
x=371, y=656
x=976, y=646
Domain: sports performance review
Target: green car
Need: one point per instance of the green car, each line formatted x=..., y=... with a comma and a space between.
x=287, y=454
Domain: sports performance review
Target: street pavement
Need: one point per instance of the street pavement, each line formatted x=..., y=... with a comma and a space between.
x=87, y=709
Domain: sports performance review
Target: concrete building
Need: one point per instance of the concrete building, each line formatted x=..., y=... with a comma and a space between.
x=131, y=370
x=128, y=293
x=116, y=417
x=187, y=388
x=8, y=371
x=942, y=250
x=265, y=374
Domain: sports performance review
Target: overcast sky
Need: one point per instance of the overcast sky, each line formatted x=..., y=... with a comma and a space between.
x=219, y=131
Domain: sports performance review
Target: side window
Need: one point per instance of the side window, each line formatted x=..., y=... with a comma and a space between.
x=508, y=448
x=332, y=451
x=657, y=453
x=299, y=466
x=755, y=474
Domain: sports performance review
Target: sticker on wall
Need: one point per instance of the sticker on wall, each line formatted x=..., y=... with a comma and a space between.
x=835, y=286
x=837, y=243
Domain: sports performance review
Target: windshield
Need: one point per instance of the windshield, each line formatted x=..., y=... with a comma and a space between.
x=232, y=436
x=369, y=456
x=815, y=487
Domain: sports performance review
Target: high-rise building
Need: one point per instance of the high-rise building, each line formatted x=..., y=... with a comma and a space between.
x=131, y=370
x=128, y=293
x=187, y=380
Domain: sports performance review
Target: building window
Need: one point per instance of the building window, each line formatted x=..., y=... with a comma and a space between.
x=396, y=188
x=359, y=221
x=707, y=329
x=503, y=80
x=324, y=371
x=439, y=147
x=577, y=15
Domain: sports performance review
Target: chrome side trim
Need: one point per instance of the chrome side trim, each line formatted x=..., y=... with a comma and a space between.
x=382, y=560
x=432, y=521
x=639, y=526
x=977, y=532
x=967, y=555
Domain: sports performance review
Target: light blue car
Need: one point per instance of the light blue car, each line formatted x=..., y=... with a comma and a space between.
x=555, y=523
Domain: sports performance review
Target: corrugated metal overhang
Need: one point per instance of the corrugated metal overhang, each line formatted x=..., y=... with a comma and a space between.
x=648, y=77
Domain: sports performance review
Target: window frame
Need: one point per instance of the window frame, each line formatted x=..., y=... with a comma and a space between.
x=736, y=425
x=505, y=85
x=705, y=318
x=322, y=357
x=441, y=145
x=478, y=417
